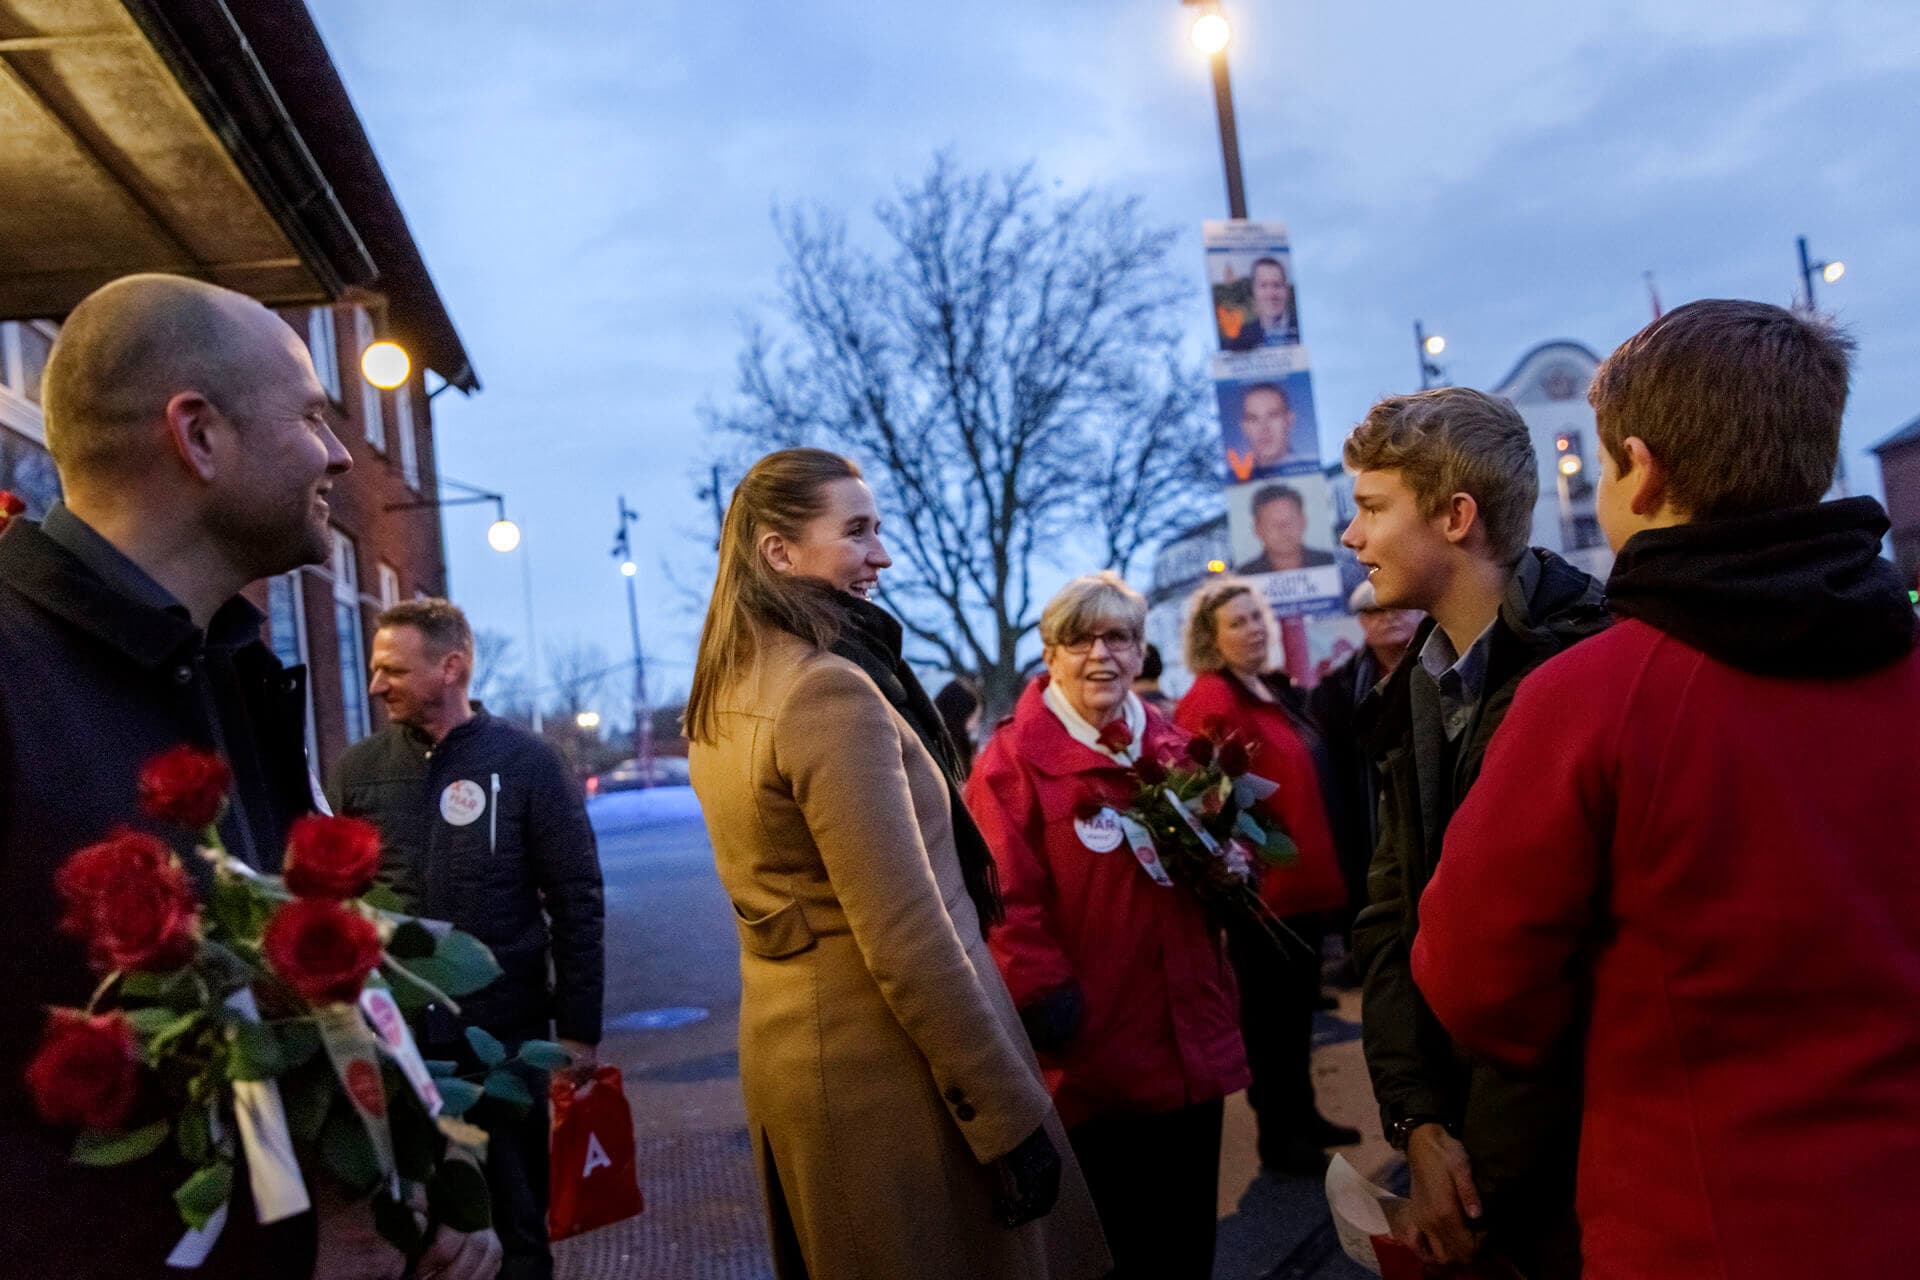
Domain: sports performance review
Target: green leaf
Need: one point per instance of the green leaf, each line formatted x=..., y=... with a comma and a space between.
x=410, y=941
x=299, y=1041
x=256, y=1053
x=468, y=965
x=232, y=906
x=97, y=1148
x=308, y=1096
x=202, y=1194
x=398, y=1226
x=195, y=1135
x=544, y=1055
x=383, y=898
x=1280, y=847
x=171, y=1034
x=224, y=971
x=458, y=1197
x=504, y=1086
x=442, y=1067
x=485, y=1047
x=457, y=1096
x=175, y=990
x=347, y=1149
x=150, y=1021
x=1244, y=824
x=408, y=995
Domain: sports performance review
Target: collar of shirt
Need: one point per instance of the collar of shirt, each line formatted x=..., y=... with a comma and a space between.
x=1460, y=678
x=235, y=625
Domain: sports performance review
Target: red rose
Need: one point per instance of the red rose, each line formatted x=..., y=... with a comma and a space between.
x=87, y=1071
x=185, y=786
x=331, y=857
x=1115, y=736
x=1200, y=751
x=1234, y=759
x=129, y=901
x=1087, y=808
x=322, y=950
x=1150, y=770
x=10, y=506
x=1211, y=802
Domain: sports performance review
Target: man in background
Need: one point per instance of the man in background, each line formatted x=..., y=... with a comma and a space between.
x=482, y=826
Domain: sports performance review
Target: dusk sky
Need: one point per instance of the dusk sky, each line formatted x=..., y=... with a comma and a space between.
x=591, y=185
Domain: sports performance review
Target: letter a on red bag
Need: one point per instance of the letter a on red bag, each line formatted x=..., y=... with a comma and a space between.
x=593, y=1180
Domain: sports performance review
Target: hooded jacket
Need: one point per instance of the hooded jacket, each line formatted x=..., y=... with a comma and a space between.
x=1693, y=848
x=1520, y=1133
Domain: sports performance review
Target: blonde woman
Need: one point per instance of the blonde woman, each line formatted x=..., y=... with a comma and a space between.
x=898, y=1117
x=1229, y=637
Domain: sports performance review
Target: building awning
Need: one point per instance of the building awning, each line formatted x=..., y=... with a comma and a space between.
x=210, y=138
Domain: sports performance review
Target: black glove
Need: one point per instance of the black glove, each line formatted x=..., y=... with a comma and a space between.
x=1053, y=1018
x=1029, y=1178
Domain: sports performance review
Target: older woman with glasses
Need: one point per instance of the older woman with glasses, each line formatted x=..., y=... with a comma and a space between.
x=1229, y=639
x=1123, y=985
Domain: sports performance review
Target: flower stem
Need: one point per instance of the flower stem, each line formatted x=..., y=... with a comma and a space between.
x=100, y=992
x=440, y=996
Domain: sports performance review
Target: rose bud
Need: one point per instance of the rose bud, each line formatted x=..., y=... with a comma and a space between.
x=321, y=950
x=185, y=786
x=1234, y=759
x=1151, y=770
x=129, y=900
x=1200, y=751
x=1115, y=736
x=331, y=857
x=87, y=1071
x=10, y=506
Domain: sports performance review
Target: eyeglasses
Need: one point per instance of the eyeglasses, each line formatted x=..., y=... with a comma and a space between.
x=1117, y=642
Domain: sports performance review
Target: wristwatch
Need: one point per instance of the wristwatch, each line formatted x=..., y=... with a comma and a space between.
x=1401, y=1130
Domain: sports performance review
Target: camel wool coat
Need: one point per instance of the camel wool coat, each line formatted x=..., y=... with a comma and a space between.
x=883, y=1063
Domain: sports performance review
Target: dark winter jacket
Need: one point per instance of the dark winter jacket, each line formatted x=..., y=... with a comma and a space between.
x=1334, y=705
x=93, y=683
x=1520, y=1134
x=487, y=830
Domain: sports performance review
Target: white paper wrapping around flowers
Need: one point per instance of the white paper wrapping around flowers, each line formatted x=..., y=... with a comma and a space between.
x=273, y=1172
x=1359, y=1210
x=1140, y=840
x=396, y=1039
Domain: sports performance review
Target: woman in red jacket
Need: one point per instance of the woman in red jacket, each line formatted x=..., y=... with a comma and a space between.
x=1228, y=637
x=1123, y=985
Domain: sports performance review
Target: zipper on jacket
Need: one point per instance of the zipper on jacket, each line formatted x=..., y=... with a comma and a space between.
x=493, y=818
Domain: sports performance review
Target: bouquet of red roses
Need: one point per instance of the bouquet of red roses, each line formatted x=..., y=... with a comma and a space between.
x=1191, y=825
x=270, y=1021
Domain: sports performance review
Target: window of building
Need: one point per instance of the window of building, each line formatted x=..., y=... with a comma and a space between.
x=287, y=626
x=36, y=344
x=403, y=427
x=389, y=585
x=346, y=625
x=9, y=356
x=369, y=394
x=323, y=342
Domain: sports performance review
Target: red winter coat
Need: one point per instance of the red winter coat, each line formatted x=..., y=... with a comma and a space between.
x=1281, y=754
x=1724, y=868
x=1162, y=1022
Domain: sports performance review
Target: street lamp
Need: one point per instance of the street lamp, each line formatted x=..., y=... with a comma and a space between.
x=588, y=720
x=503, y=535
x=1211, y=35
x=385, y=364
x=1426, y=346
x=1829, y=272
x=642, y=720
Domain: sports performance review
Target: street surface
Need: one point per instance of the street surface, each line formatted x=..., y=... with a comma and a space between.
x=673, y=992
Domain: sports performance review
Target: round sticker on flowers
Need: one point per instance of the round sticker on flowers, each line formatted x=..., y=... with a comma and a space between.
x=1100, y=832
x=363, y=1082
x=462, y=802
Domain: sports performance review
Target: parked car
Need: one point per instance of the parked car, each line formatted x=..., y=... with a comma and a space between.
x=668, y=771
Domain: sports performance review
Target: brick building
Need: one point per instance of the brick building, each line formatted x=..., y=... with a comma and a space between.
x=1899, y=456
x=214, y=138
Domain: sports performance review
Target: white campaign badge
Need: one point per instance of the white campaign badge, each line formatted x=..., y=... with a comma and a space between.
x=596, y=1157
x=462, y=802
x=1101, y=832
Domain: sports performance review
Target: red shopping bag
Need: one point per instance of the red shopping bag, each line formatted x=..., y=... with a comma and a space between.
x=592, y=1177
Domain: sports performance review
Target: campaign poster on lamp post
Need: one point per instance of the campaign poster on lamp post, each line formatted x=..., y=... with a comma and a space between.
x=1250, y=272
x=1283, y=535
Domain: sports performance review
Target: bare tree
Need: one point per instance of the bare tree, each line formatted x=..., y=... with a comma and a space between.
x=578, y=672
x=1009, y=373
x=493, y=663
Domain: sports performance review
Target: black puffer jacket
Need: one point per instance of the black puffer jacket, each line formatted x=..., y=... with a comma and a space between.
x=487, y=830
x=1521, y=1134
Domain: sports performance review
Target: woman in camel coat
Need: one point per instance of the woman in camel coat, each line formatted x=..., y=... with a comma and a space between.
x=896, y=1112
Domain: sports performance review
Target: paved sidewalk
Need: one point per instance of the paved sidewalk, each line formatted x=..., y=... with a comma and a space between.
x=672, y=1009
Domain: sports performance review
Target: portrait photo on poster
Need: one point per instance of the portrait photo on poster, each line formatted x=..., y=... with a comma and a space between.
x=1250, y=278
x=1267, y=423
x=1282, y=533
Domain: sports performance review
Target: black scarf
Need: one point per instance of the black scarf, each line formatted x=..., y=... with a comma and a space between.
x=871, y=641
x=1799, y=592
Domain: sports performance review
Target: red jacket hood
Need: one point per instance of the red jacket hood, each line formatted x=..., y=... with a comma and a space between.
x=1043, y=742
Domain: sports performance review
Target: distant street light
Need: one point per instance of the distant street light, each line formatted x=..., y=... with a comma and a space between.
x=385, y=365
x=1829, y=272
x=503, y=535
x=1425, y=347
x=588, y=720
x=1436, y=344
x=629, y=568
x=1216, y=566
x=1211, y=34
x=642, y=713
x=1570, y=465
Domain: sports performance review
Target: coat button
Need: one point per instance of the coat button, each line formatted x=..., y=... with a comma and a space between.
x=183, y=675
x=956, y=1095
x=965, y=1111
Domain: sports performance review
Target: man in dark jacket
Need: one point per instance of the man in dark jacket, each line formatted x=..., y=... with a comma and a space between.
x=483, y=826
x=194, y=451
x=1445, y=486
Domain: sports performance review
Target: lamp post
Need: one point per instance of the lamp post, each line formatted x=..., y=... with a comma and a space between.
x=504, y=536
x=1426, y=346
x=642, y=718
x=1829, y=272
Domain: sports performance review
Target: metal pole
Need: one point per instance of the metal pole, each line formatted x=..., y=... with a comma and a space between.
x=1806, y=274
x=1420, y=353
x=1229, y=137
x=642, y=717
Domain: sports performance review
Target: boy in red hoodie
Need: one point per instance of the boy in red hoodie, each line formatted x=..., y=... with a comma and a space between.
x=1694, y=840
